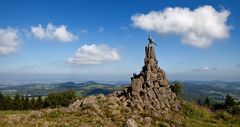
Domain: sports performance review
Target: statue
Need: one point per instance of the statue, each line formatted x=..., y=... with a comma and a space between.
x=151, y=41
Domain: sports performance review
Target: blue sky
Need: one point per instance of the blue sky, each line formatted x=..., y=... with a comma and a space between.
x=104, y=40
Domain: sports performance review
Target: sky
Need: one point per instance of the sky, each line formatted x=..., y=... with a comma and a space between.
x=70, y=40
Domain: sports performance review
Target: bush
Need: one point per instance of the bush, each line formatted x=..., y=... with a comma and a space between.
x=235, y=110
x=207, y=102
x=229, y=101
x=54, y=100
x=177, y=87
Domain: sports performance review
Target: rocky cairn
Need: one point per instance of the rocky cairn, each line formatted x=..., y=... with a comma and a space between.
x=149, y=94
x=150, y=89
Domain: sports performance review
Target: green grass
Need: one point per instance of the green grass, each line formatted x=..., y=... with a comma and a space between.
x=191, y=115
x=199, y=116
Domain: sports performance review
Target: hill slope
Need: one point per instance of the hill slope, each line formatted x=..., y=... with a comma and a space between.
x=191, y=115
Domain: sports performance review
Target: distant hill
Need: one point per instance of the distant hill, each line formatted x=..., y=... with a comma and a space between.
x=216, y=90
x=82, y=89
x=193, y=90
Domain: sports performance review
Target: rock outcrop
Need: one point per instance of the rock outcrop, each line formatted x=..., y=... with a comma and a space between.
x=149, y=90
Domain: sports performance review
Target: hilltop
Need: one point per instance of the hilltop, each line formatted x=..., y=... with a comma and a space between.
x=148, y=101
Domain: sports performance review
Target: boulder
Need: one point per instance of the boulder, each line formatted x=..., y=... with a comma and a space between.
x=74, y=106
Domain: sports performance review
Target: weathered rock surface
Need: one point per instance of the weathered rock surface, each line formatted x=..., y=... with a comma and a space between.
x=149, y=90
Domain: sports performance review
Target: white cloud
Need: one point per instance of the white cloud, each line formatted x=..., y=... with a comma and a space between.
x=59, y=33
x=94, y=54
x=9, y=41
x=204, y=69
x=198, y=27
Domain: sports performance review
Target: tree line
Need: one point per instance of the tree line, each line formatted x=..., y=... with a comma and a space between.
x=228, y=105
x=53, y=100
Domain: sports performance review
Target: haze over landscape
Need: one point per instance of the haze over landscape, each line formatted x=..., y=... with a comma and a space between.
x=59, y=41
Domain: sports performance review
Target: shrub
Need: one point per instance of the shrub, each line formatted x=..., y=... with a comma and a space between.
x=54, y=100
x=177, y=87
x=229, y=101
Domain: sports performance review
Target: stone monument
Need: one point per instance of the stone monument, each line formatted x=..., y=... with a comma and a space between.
x=150, y=89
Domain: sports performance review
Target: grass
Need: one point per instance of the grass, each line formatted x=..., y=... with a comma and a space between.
x=199, y=116
x=191, y=115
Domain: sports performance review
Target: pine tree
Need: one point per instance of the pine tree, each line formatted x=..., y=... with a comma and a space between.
x=33, y=103
x=229, y=101
x=22, y=103
x=199, y=102
x=17, y=102
x=39, y=103
x=1, y=101
x=26, y=103
x=45, y=103
x=207, y=102
x=8, y=103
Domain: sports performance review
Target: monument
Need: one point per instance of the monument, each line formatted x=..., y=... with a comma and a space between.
x=149, y=90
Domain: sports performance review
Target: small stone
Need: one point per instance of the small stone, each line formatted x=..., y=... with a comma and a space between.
x=147, y=121
x=131, y=123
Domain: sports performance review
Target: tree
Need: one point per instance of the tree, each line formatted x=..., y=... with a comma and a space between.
x=1, y=101
x=26, y=103
x=229, y=101
x=199, y=102
x=32, y=103
x=8, y=103
x=68, y=97
x=39, y=103
x=22, y=103
x=60, y=99
x=207, y=102
x=177, y=87
x=17, y=102
x=53, y=100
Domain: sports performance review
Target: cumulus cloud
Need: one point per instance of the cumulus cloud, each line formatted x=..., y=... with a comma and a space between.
x=198, y=27
x=204, y=69
x=9, y=41
x=94, y=54
x=51, y=32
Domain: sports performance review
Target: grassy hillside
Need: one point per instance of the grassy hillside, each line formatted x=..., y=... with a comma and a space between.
x=191, y=116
